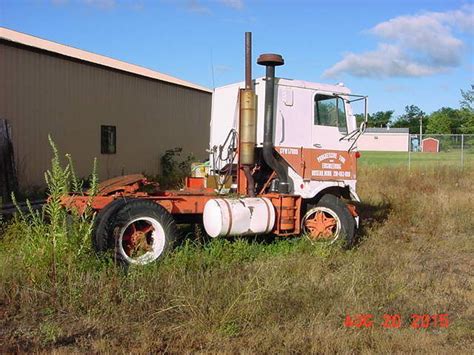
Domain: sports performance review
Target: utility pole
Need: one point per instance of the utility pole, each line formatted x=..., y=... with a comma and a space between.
x=421, y=132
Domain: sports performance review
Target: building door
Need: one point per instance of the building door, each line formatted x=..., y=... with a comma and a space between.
x=8, y=179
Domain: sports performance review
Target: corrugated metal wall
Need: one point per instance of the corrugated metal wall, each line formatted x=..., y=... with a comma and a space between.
x=42, y=93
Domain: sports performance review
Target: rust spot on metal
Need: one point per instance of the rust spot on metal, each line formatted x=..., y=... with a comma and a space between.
x=270, y=59
x=127, y=183
x=352, y=209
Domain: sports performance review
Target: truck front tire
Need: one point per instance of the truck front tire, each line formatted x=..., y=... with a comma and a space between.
x=329, y=220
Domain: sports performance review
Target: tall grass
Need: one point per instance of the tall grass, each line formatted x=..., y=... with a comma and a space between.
x=252, y=295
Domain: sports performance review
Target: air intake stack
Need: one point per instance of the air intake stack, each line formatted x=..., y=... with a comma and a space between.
x=270, y=61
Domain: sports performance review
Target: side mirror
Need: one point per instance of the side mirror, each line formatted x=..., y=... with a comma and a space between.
x=363, y=126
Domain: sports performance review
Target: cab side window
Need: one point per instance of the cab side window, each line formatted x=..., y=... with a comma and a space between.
x=330, y=111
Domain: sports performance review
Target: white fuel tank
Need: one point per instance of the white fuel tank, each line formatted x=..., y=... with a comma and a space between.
x=244, y=216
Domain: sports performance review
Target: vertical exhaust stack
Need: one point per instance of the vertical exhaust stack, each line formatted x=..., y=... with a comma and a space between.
x=248, y=61
x=248, y=127
x=270, y=61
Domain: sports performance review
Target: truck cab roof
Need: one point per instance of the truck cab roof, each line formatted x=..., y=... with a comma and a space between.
x=302, y=84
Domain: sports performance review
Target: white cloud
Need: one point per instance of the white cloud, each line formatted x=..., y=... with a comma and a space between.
x=411, y=46
x=200, y=6
x=462, y=19
x=197, y=7
x=393, y=88
x=222, y=69
x=103, y=4
x=235, y=4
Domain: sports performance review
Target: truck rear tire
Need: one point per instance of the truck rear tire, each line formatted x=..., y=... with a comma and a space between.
x=102, y=239
x=143, y=232
x=329, y=220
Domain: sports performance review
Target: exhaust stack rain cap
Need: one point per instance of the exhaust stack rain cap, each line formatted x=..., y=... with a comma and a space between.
x=270, y=59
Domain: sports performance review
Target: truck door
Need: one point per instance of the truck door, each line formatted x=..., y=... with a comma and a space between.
x=329, y=123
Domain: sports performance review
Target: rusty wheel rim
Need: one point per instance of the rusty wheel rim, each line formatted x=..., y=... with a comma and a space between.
x=321, y=224
x=141, y=241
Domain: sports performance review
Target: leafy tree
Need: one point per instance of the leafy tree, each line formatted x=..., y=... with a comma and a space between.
x=381, y=118
x=467, y=125
x=446, y=120
x=451, y=121
x=377, y=119
x=411, y=119
x=360, y=117
x=467, y=101
x=467, y=111
x=459, y=120
x=441, y=121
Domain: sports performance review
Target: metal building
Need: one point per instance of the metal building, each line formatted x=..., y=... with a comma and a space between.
x=94, y=106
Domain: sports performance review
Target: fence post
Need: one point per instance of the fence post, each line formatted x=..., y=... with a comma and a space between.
x=409, y=151
x=462, y=151
x=409, y=158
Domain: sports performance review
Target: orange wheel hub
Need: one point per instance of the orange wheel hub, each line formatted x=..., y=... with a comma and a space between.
x=320, y=226
x=135, y=239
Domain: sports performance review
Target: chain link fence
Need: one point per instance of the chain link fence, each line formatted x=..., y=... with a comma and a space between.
x=441, y=149
x=432, y=150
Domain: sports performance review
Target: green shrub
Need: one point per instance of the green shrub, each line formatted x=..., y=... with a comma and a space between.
x=174, y=168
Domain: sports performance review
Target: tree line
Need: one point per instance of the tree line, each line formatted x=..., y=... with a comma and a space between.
x=446, y=120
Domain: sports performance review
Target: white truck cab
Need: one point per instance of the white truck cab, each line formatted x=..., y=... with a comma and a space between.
x=314, y=132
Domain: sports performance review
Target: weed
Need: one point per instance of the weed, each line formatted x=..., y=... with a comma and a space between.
x=230, y=329
x=48, y=332
x=48, y=243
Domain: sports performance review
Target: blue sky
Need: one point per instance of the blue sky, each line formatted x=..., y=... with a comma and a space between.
x=397, y=52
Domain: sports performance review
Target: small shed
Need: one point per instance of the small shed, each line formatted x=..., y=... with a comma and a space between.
x=430, y=145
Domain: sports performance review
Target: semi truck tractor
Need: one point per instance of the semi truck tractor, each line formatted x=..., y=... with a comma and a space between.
x=282, y=161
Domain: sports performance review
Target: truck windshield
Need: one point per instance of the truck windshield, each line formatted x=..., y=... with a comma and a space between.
x=330, y=111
